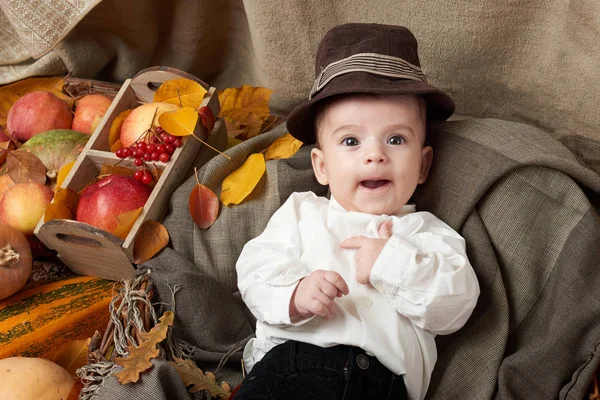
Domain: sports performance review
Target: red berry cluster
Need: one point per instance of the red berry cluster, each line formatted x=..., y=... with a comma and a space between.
x=159, y=147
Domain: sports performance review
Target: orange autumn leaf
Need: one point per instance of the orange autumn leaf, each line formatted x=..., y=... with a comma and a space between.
x=25, y=167
x=108, y=169
x=71, y=356
x=9, y=94
x=56, y=211
x=284, y=147
x=116, y=146
x=172, y=90
x=67, y=197
x=125, y=222
x=63, y=172
x=115, y=129
x=196, y=380
x=241, y=182
x=152, y=237
x=139, y=359
x=244, y=110
x=179, y=123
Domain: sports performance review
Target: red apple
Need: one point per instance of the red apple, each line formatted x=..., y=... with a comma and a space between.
x=88, y=110
x=140, y=120
x=37, y=112
x=101, y=202
x=24, y=204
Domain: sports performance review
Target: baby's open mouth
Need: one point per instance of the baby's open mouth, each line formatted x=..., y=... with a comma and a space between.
x=374, y=183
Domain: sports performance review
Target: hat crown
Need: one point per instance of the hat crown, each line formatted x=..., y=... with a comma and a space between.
x=346, y=40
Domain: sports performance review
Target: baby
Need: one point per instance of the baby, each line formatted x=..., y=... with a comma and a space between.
x=349, y=293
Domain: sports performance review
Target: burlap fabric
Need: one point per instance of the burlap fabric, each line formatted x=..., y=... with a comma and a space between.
x=533, y=61
x=526, y=209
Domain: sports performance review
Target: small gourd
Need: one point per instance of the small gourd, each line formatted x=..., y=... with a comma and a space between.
x=33, y=378
x=15, y=260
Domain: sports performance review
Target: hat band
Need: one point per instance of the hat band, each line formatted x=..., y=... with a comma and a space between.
x=372, y=63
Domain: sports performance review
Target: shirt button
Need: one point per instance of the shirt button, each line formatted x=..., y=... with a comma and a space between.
x=362, y=361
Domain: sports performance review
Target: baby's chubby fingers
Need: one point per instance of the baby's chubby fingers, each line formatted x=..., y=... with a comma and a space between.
x=337, y=281
x=354, y=242
x=385, y=229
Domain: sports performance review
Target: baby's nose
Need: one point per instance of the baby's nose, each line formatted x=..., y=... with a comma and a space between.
x=374, y=154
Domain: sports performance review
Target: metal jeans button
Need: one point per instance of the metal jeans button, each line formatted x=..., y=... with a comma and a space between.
x=362, y=361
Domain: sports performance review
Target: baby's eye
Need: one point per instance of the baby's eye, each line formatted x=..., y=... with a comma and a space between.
x=396, y=140
x=350, y=141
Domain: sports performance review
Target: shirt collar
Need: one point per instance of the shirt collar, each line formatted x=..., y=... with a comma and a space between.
x=406, y=209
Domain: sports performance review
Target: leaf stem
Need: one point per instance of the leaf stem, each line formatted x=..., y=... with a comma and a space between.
x=202, y=141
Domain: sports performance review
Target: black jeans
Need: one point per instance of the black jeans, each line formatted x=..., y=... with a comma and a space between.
x=295, y=370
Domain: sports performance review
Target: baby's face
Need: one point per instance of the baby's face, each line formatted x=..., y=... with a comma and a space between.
x=371, y=152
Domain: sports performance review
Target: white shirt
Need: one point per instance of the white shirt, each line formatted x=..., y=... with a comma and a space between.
x=422, y=284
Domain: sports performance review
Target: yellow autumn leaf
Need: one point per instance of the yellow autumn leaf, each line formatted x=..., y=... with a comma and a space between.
x=179, y=123
x=193, y=100
x=244, y=109
x=231, y=141
x=62, y=173
x=284, y=147
x=67, y=197
x=115, y=128
x=126, y=221
x=11, y=93
x=240, y=183
x=175, y=88
x=116, y=146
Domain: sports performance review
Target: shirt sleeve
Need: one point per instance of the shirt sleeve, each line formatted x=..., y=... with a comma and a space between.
x=269, y=265
x=426, y=275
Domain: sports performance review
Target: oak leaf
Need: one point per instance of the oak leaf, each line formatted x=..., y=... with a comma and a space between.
x=240, y=183
x=9, y=94
x=125, y=222
x=152, y=237
x=204, y=206
x=195, y=380
x=175, y=88
x=25, y=167
x=115, y=128
x=179, y=123
x=244, y=110
x=139, y=359
x=284, y=147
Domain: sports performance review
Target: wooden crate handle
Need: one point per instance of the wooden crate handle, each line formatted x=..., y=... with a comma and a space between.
x=87, y=250
x=145, y=82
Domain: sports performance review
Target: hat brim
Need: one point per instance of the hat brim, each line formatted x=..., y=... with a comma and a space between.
x=301, y=120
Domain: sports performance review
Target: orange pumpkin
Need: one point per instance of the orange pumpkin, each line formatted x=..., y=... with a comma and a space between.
x=15, y=260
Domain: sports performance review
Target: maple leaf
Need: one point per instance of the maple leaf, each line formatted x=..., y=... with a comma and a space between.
x=241, y=182
x=244, y=110
x=196, y=380
x=139, y=359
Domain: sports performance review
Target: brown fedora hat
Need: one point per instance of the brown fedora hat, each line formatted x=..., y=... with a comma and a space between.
x=366, y=58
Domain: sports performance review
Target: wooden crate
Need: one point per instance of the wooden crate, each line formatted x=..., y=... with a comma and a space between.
x=91, y=251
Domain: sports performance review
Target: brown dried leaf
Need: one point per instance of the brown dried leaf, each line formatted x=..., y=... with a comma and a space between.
x=152, y=237
x=24, y=167
x=139, y=359
x=125, y=222
x=193, y=376
x=204, y=206
x=5, y=148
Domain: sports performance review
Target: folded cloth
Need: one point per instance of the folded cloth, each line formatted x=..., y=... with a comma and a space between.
x=526, y=209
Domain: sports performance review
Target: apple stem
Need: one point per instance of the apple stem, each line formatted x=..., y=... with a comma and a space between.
x=203, y=142
x=8, y=256
x=52, y=174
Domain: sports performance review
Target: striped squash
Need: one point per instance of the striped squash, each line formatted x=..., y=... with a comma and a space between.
x=37, y=321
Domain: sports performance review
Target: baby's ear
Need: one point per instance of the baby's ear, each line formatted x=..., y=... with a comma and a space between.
x=316, y=157
x=426, y=158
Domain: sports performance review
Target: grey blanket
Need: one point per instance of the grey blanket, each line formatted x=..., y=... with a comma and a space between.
x=529, y=214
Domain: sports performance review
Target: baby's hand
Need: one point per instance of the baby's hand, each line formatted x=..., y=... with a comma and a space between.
x=315, y=294
x=368, y=251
